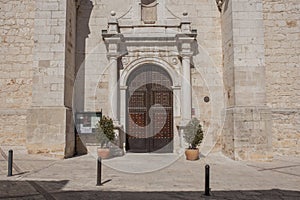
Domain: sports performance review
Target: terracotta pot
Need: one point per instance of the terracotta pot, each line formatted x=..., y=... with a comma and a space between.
x=103, y=153
x=192, y=154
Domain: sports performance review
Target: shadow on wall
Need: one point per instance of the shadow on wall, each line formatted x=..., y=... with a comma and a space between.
x=84, y=11
x=54, y=190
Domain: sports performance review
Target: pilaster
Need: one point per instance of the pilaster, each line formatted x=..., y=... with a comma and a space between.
x=49, y=120
x=113, y=40
x=184, y=41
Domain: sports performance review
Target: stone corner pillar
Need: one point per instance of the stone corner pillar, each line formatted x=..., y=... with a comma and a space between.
x=248, y=123
x=50, y=129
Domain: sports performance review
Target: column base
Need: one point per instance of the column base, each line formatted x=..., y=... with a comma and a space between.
x=184, y=122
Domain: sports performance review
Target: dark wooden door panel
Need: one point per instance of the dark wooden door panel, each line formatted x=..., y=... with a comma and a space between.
x=138, y=145
x=150, y=112
x=137, y=124
x=136, y=136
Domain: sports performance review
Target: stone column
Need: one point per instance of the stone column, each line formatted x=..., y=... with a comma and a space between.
x=186, y=92
x=113, y=88
x=123, y=90
x=176, y=100
x=122, y=136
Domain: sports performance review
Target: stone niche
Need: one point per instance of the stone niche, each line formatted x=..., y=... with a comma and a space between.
x=149, y=11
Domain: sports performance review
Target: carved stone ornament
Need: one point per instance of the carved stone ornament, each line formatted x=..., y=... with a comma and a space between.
x=174, y=61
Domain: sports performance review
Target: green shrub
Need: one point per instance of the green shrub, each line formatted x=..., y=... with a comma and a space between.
x=193, y=133
x=105, y=131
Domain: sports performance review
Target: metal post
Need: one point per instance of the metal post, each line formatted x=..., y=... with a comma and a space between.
x=99, y=171
x=10, y=162
x=207, y=189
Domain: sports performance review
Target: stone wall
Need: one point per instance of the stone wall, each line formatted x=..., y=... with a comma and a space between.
x=16, y=60
x=13, y=127
x=286, y=131
x=282, y=49
x=49, y=53
x=41, y=52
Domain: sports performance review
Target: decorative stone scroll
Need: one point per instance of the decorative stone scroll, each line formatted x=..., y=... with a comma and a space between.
x=149, y=11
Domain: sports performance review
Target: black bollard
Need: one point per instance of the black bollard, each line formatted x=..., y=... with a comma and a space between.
x=10, y=162
x=99, y=171
x=207, y=189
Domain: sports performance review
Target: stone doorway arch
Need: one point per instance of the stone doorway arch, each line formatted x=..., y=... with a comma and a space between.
x=169, y=43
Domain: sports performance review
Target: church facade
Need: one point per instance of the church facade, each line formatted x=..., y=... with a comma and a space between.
x=152, y=66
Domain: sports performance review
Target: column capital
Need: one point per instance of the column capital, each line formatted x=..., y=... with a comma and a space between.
x=186, y=54
x=176, y=87
x=113, y=55
x=184, y=44
x=186, y=37
x=112, y=38
x=123, y=87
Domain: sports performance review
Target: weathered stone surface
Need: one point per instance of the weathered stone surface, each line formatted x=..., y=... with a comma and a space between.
x=16, y=59
x=247, y=133
x=50, y=131
x=282, y=30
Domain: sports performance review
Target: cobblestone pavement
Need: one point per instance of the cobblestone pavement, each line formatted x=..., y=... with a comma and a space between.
x=38, y=177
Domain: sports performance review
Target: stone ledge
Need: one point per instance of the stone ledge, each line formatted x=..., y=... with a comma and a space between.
x=285, y=110
x=13, y=112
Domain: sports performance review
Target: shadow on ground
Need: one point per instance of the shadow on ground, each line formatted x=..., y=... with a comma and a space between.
x=51, y=190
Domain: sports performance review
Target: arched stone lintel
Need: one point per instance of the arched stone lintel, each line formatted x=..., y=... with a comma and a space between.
x=173, y=73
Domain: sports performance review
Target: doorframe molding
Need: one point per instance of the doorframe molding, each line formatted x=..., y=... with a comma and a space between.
x=173, y=73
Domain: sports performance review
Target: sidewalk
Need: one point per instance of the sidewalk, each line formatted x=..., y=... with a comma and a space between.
x=167, y=177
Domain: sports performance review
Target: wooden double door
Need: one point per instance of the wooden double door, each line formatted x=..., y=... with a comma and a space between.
x=150, y=111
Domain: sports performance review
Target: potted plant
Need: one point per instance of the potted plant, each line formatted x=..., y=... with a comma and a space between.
x=193, y=135
x=104, y=135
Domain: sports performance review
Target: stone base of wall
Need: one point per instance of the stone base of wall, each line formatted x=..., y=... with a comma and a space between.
x=50, y=131
x=13, y=127
x=247, y=133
